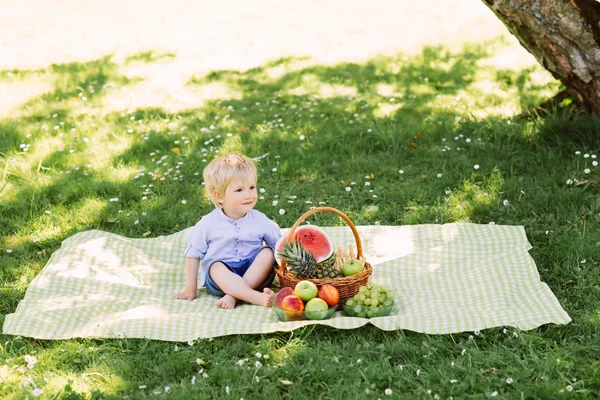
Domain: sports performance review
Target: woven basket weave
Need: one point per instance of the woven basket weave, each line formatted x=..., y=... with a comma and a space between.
x=347, y=286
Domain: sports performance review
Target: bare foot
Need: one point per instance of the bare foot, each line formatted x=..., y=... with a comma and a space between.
x=257, y=298
x=260, y=299
x=227, y=302
x=270, y=295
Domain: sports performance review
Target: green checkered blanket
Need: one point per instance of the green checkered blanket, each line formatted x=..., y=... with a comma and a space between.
x=448, y=278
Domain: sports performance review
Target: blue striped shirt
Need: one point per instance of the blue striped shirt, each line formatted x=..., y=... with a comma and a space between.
x=216, y=237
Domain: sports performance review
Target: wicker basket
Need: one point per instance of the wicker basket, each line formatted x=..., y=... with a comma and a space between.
x=347, y=286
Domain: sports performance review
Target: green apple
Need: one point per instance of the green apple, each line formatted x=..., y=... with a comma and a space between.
x=351, y=266
x=316, y=308
x=306, y=290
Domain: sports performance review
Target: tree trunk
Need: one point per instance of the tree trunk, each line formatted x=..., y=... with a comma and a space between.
x=564, y=36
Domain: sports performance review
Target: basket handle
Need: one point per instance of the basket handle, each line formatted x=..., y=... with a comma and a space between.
x=331, y=210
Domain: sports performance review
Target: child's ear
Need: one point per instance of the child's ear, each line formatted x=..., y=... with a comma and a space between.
x=217, y=196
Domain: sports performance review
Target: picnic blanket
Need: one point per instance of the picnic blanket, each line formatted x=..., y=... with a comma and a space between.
x=447, y=278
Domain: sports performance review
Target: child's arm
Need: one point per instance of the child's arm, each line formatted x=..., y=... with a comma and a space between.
x=191, y=280
x=272, y=233
x=197, y=247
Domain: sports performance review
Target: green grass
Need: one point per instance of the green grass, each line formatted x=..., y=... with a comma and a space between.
x=443, y=118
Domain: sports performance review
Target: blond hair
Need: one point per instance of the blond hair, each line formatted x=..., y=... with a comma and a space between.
x=220, y=171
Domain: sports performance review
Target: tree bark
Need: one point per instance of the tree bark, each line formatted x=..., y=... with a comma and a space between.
x=564, y=36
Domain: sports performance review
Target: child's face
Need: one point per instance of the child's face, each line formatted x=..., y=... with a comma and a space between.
x=239, y=198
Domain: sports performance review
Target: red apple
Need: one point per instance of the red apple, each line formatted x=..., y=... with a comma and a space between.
x=292, y=302
x=282, y=294
x=330, y=294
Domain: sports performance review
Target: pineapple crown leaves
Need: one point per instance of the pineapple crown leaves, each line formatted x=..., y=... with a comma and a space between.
x=300, y=262
x=303, y=263
x=294, y=251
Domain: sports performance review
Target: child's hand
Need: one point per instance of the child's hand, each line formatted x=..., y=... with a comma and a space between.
x=187, y=294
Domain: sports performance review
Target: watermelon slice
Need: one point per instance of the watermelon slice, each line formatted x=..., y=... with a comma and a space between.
x=313, y=239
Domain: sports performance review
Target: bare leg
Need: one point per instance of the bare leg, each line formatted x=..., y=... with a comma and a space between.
x=236, y=288
x=260, y=268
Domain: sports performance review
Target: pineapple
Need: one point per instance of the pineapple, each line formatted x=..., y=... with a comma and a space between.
x=326, y=270
x=300, y=262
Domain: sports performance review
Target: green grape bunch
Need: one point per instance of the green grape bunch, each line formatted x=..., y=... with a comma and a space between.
x=370, y=301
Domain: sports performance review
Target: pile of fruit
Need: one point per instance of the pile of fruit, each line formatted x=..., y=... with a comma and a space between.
x=370, y=301
x=307, y=298
x=309, y=254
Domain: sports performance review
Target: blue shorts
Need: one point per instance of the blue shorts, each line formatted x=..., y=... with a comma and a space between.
x=238, y=268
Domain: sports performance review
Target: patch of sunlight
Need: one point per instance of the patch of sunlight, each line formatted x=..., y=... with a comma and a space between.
x=165, y=85
x=420, y=89
x=462, y=202
x=276, y=72
x=228, y=123
x=112, y=145
x=311, y=84
x=218, y=90
x=299, y=91
x=29, y=165
x=121, y=173
x=507, y=109
x=5, y=372
x=285, y=354
x=387, y=110
x=511, y=56
x=8, y=193
x=231, y=143
x=541, y=77
x=10, y=375
x=478, y=102
x=386, y=90
x=489, y=87
x=15, y=94
x=505, y=103
x=69, y=151
x=383, y=248
x=216, y=38
x=288, y=66
x=327, y=91
x=81, y=383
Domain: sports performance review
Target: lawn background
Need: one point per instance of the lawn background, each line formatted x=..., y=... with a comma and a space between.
x=395, y=114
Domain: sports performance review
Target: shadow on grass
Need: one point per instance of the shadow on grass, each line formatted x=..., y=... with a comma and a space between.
x=76, y=81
